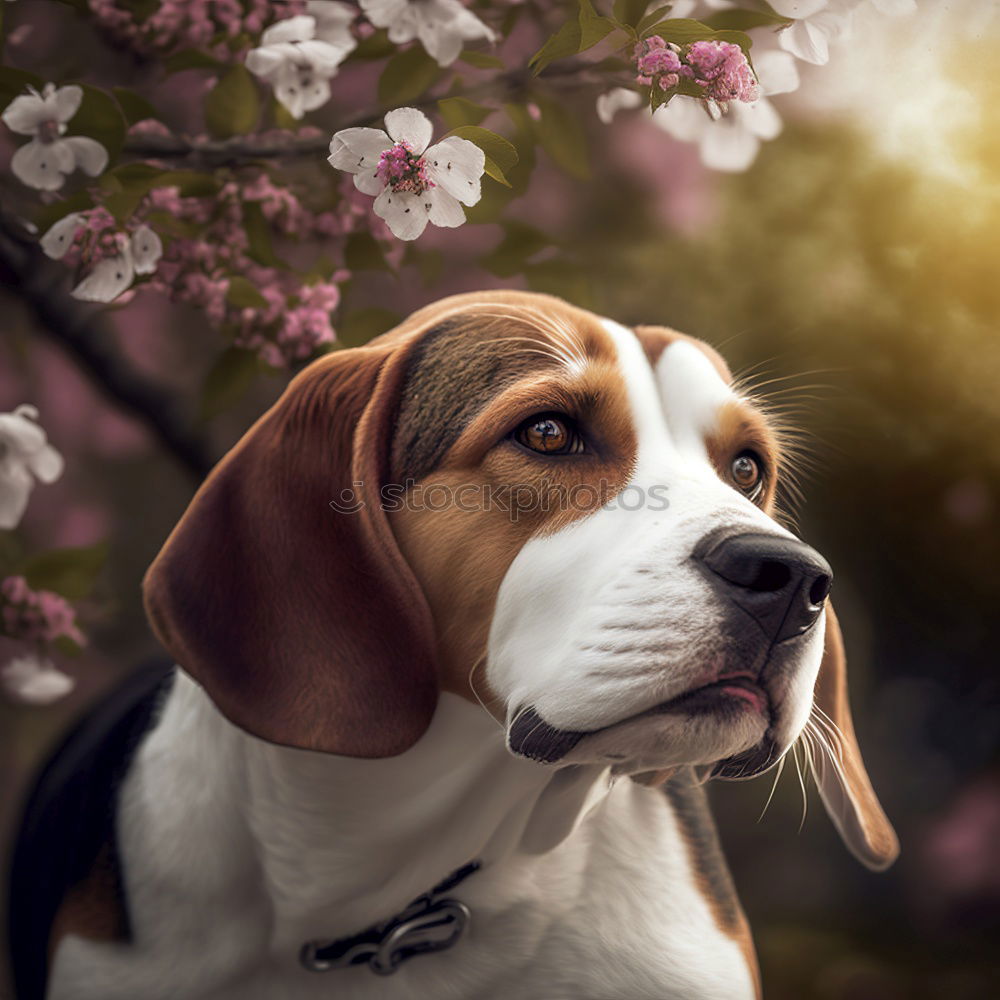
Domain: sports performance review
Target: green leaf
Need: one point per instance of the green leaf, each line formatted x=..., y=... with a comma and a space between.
x=14, y=82
x=520, y=243
x=561, y=135
x=376, y=46
x=744, y=20
x=227, y=380
x=191, y=59
x=68, y=572
x=363, y=252
x=232, y=107
x=258, y=232
x=593, y=26
x=406, y=76
x=630, y=11
x=501, y=154
x=481, y=60
x=361, y=325
x=134, y=106
x=564, y=43
x=656, y=14
x=243, y=294
x=48, y=215
x=100, y=118
x=457, y=111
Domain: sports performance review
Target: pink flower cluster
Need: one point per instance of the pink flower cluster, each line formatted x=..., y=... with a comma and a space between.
x=36, y=615
x=720, y=68
x=210, y=25
x=97, y=237
x=294, y=320
x=401, y=170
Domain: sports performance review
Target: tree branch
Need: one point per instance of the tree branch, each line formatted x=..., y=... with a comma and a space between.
x=83, y=334
x=204, y=152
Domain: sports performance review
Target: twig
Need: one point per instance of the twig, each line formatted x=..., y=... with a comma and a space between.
x=82, y=333
x=239, y=149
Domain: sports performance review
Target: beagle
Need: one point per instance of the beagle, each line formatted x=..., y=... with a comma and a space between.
x=463, y=623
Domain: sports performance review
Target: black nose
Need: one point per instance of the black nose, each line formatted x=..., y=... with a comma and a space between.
x=780, y=582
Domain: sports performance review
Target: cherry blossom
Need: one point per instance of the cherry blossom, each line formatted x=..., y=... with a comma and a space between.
x=412, y=185
x=34, y=680
x=36, y=615
x=299, y=55
x=442, y=26
x=25, y=455
x=45, y=162
x=111, y=258
x=730, y=141
x=618, y=99
x=820, y=22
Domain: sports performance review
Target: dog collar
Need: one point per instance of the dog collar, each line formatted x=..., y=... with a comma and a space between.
x=430, y=923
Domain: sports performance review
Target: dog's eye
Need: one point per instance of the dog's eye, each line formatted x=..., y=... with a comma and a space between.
x=549, y=434
x=747, y=472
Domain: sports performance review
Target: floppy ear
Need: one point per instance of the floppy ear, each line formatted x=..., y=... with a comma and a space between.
x=843, y=782
x=303, y=621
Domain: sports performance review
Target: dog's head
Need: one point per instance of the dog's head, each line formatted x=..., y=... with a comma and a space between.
x=528, y=505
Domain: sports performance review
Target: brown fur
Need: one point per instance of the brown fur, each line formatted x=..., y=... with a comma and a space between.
x=92, y=909
x=711, y=873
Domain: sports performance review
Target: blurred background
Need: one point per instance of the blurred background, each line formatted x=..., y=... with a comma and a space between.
x=853, y=272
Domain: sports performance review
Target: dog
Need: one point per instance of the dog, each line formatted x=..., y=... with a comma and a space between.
x=462, y=625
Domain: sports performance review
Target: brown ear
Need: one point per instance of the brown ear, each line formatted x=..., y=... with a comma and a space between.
x=303, y=621
x=843, y=782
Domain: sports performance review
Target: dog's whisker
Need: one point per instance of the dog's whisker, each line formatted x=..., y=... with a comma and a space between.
x=774, y=785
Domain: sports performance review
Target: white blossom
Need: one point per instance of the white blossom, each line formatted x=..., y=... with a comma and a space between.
x=618, y=99
x=44, y=162
x=412, y=185
x=112, y=274
x=25, y=455
x=443, y=26
x=35, y=680
x=299, y=55
x=810, y=36
x=730, y=141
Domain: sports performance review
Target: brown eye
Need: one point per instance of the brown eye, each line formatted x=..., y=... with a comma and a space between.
x=549, y=435
x=747, y=473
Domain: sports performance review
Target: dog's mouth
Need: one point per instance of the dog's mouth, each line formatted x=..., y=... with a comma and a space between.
x=736, y=699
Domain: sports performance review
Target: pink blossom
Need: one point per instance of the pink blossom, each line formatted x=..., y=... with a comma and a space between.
x=36, y=615
x=722, y=69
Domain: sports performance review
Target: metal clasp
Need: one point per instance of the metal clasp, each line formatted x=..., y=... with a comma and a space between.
x=423, y=928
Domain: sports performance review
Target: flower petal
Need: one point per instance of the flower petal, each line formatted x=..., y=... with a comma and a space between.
x=442, y=209
x=410, y=126
x=357, y=149
x=25, y=113
x=15, y=488
x=457, y=165
x=683, y=118
x=66, y=101
x=776, y=71
x=147, y=249
x=333, y=23
x=795, y=8
x=405, y=214
x=619, y=99
x=760, y=118
x=109, y=278
x=291, y=29
x=34, y=680
x=323, y=57
x=43, y=165
x=806, y=41
x=442, y=40
x=729, y=148
x=46, y=464
x=90, y=156
x=383, y=13
x=265, y=62
x=59, y=237
x=369, y=182
x=895, y=8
